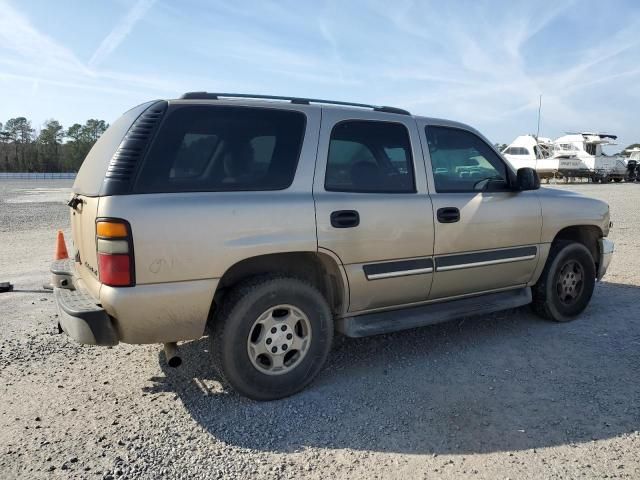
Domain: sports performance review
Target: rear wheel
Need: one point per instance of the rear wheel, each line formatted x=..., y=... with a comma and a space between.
x=272, y=337
x=617, y=180
x=566, y=284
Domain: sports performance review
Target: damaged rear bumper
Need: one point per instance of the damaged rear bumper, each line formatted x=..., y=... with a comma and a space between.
x=80, y=316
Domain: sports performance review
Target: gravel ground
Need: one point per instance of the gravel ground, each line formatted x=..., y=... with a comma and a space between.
x=499, y=396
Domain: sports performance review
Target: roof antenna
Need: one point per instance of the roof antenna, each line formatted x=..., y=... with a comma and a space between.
x=539, y=109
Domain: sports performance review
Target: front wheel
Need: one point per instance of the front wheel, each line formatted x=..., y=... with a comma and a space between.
x=566, y=283
x=272, y=336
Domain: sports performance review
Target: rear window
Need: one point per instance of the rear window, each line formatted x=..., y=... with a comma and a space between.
x=212, y=149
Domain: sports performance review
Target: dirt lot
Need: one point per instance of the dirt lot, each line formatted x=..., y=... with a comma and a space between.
x=500, y=396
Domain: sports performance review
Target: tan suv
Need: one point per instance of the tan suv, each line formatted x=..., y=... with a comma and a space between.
x=275, y=221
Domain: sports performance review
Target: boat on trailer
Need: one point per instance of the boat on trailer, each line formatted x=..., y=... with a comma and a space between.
x=580, y=155
x=633, y=164
x=574, y=155
x=634, y=154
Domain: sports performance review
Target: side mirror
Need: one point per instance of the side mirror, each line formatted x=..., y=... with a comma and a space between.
x=527, y=179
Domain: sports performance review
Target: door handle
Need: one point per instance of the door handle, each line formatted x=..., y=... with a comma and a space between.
x=448, y=215
x=345, y=219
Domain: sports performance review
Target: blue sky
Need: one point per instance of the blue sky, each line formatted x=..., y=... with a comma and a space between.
x=480, y=62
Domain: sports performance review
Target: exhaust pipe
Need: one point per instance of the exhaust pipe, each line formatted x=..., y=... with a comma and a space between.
x=171, y=354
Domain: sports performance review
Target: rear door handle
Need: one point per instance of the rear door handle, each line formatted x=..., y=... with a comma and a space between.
x=345, y=219
x=448, y=215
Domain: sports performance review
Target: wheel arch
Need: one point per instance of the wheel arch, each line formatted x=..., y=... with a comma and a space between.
x=318, y=268
x=587, y=235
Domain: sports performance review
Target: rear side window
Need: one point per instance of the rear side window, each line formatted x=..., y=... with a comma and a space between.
x=366, y=156
x=211, y=149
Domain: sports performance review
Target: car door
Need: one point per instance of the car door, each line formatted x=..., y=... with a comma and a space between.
x=373, y=210
x=486, y=234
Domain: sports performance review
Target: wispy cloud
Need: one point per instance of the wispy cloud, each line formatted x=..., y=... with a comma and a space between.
x=31, y=55
x=120, y=31
x=17, y=34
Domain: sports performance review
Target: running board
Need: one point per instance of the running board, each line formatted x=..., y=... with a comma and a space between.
x=412, y=317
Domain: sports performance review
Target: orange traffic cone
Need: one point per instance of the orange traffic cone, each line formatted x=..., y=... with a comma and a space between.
x=61, y=248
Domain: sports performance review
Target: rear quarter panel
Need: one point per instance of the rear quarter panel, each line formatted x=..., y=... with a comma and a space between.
x=193, y=236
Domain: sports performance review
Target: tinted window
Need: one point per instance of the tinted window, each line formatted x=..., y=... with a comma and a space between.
x=369, y=156
x=463, y=162
x=201, y=148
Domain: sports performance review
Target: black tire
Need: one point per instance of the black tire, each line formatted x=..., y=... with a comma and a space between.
x=233, y=326
x=548, y=293
x=617, y=180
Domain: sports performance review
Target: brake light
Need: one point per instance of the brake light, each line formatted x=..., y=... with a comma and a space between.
x=115, y=253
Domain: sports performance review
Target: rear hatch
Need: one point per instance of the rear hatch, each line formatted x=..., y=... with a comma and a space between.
x=103, y=167
x=83, y=218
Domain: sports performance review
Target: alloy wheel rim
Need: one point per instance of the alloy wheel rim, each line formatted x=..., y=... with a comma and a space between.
x=279, y=339
x=570, y=282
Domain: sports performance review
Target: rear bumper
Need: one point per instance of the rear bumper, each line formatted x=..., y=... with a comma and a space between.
x=82, y=319
x=606, y=253
x=155, y=313
x=159, y=312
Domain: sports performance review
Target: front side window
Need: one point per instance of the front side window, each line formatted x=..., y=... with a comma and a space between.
x=367, y=156
x=222, y=148
x=463, y=162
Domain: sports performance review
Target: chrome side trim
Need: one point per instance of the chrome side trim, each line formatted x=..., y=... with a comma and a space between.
x=398, y=268
x=485, y=263
x=399, y=273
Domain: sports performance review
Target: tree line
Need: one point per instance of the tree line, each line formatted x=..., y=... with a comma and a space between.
x=52, y=149
x=56, y=149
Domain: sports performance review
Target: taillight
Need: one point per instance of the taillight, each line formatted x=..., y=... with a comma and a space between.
x=115, y=252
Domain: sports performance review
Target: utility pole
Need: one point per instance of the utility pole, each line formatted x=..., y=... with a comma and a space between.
x=539, y=109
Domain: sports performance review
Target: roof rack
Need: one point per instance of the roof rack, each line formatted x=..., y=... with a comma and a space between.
x=296, y=100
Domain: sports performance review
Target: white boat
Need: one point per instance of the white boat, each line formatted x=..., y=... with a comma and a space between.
x=531, y=151
x=581, y=155
x=572, y=155
x=634, y=154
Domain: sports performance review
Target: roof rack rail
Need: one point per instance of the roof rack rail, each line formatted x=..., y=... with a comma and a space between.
x=296, y=100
